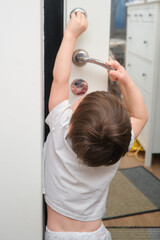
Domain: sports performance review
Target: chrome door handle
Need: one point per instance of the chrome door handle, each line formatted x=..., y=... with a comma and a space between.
x=81, y=57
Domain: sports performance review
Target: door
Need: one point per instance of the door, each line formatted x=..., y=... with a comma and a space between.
x=95, y=40
x=21, y=120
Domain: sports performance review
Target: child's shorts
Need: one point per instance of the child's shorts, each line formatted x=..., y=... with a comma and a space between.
x=101, y=234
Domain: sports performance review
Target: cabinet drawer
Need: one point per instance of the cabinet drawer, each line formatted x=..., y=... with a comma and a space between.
x=144, y=137
x=134, y=15
x=141, y=14
x=140, y=70
x=141, y=39
x=149, y=15
x=135, y=66
x=146, y=97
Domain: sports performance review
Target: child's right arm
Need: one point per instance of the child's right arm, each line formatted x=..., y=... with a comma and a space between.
x=62, y=68
x=132, y=97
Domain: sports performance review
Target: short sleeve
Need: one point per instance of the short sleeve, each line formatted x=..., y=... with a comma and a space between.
x=60, y=115
x=132, y=140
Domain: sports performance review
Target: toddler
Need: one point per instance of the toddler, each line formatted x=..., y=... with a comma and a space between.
x=85, y=144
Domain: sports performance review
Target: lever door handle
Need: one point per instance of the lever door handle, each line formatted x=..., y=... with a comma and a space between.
x=81, y=57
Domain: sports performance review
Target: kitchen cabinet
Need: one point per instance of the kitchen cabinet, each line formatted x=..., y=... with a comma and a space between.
x=143, y=65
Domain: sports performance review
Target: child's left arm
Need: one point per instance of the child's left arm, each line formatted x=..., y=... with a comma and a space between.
x=132, y=97
x=62, y=68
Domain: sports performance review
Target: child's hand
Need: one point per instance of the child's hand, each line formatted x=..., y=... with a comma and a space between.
x=77, y=24
x=120, y=75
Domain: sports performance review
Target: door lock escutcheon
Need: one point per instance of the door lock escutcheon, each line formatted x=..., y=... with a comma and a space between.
x=81, y=57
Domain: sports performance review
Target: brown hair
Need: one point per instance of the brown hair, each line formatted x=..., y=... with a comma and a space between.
x=100, y=129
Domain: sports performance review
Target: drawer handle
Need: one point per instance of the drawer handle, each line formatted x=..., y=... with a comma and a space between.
x=145, y=42
x=144, y=74
x=141, y=15
x=129, y=65
x=130, y=38
x=150, y=15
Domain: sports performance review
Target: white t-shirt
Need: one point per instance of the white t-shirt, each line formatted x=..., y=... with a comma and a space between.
x=70, y=187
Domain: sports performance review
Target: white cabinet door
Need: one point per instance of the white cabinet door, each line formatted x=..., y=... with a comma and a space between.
x=141, y=71
x=95, y=41
x=140, y=39
x=142, y=56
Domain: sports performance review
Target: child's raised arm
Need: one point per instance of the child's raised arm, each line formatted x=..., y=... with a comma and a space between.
x=62, y=68
x=133, y=99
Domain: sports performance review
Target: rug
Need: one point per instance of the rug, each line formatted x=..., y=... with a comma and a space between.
x=132, y=233
x=132, y=191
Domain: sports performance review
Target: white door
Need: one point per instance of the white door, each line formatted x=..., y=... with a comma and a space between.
x=21, y=119
x=95, y=40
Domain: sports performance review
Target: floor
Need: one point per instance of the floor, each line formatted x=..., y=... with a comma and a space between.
x=142, y=220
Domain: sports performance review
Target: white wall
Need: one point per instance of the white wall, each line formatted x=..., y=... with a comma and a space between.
x=21, y=119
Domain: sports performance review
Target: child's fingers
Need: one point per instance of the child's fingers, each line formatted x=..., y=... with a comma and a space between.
x=115, y=75
x=112, y=76
x=114, y=64
x=79, y=15
x=84, y=21
x=73, y=16
x=110, y=59
x=76, y=15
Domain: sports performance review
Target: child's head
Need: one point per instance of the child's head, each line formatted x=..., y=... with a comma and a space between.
x=100, y=129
